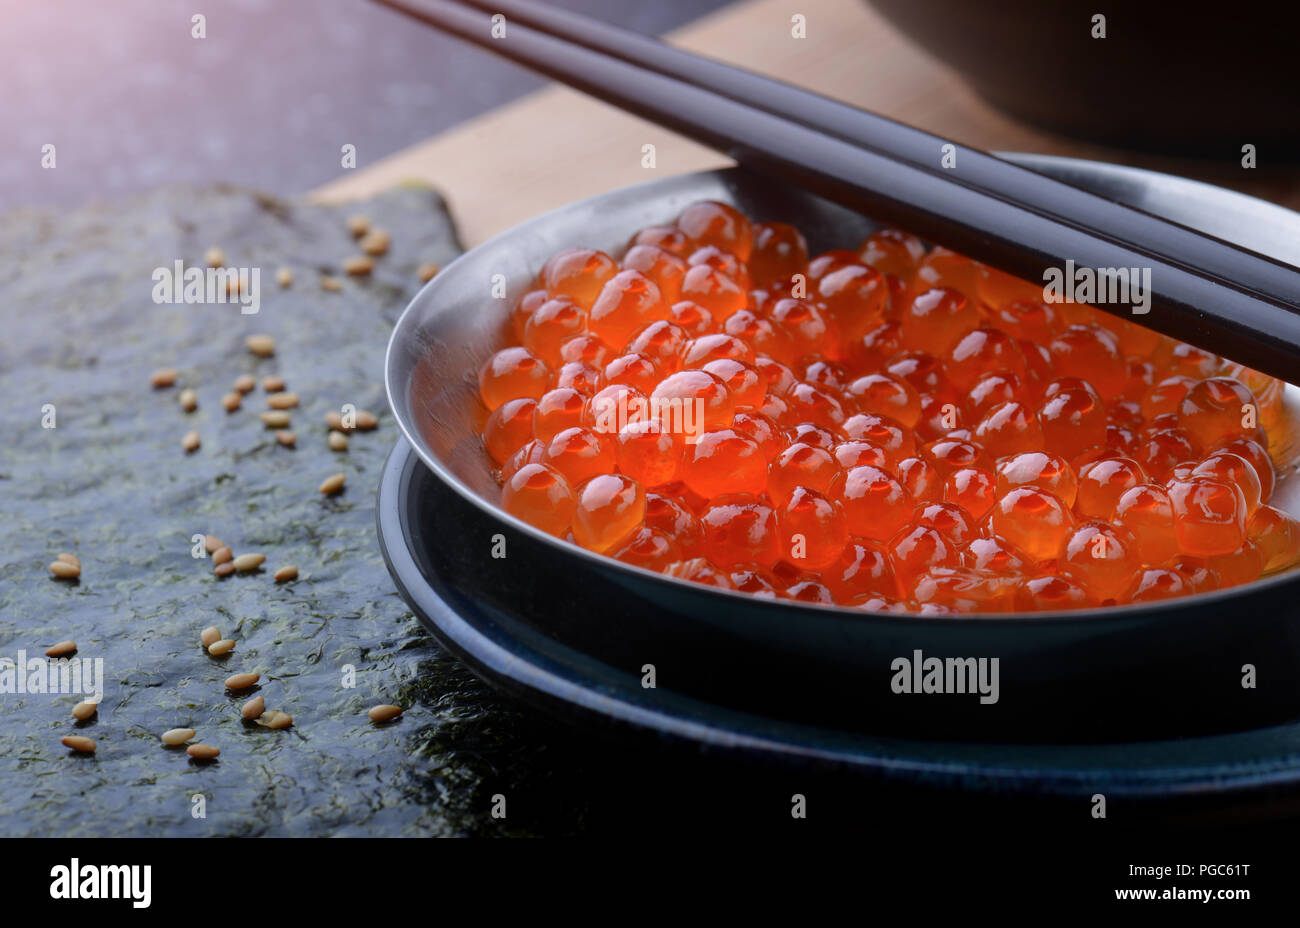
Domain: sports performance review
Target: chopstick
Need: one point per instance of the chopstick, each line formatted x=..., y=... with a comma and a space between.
x=1193, y=250
x=1211, y=311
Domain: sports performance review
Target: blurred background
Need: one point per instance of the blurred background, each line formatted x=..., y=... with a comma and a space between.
x=131, y=100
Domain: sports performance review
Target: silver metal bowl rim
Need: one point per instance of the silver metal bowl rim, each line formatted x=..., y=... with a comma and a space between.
x=732, y=597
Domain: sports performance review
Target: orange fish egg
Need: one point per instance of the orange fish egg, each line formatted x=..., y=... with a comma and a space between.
x=713, y=223
x=1102, y=558
x=670, y=239
x=1157, y=583
x=662, y=342
x=886, y=395
x=662, y=267
x=1033, y=520
x=1040, y=594
x=1276, y=535
x=512, y=373
x=916, y=549
x=540, y=496
x=724, y=461
x=557, y=410
x=875, y=504
x=509, y=428
x=1049, y=472
x=579, y=274
x=760, y=334
x=555, y=322
x=800, y=465
x=761, y=429
x=972, y=488
x=936, y=319
x=855, y=296
x=740, y=528
x=1218, y=409
x=983, y=351
x=778, y=253
x=627, y=303
x=692, y=318
x=524, y=309
x=1102, y=483
x=580, y=454
x=807, y=329
x=1147, y=511
x=649, y=548
x=1091, y=353
x=713, y=290
x=609, y=509
x=1011, y=428
x=812, y=529
x=892, y=251
x=693, y=401
x=649, y=453
x=1209, y=516
x=862, y=567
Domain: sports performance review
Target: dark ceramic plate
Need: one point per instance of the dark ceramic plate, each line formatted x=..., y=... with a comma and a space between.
x=464, y=600
x=1129, y=672
x=1163, y=78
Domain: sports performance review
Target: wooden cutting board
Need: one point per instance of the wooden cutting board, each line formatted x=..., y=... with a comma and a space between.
x=556, y=145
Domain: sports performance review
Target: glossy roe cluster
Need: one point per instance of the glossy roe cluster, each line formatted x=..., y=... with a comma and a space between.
x=889, y=428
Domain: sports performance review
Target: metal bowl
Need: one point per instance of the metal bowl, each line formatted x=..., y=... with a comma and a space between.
x=1157, y=669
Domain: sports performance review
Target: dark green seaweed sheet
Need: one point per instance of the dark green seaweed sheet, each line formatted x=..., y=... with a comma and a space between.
x=111, y=484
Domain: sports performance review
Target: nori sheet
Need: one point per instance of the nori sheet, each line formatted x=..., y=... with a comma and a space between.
x=111, y=484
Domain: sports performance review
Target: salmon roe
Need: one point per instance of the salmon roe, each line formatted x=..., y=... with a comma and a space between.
x=886, y=428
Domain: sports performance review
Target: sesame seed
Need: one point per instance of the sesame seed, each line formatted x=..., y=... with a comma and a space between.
x=384, y=713
x=62, y=649
x=163, y=378
x=242, y=681
x=65, y=571
x=261, y=345
x=375, y=242
x=358, y=265
x=247, y=562
x=332, y=484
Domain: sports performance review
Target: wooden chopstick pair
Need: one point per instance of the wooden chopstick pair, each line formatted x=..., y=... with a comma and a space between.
x=1204, y=291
